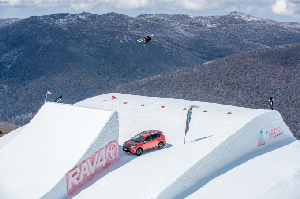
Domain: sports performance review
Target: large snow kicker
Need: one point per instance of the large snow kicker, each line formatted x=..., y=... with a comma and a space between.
x=58, y=138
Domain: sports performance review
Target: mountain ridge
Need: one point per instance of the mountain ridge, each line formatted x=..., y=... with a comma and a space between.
x=83, y=55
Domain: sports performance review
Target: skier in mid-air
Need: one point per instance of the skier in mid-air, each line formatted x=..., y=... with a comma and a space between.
x=146, y=39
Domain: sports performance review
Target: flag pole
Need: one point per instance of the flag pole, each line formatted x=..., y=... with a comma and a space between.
x=188, y=120
x=47, y=95
x=112, y=101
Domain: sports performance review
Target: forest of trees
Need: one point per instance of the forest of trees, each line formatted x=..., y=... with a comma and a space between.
x=247, y=79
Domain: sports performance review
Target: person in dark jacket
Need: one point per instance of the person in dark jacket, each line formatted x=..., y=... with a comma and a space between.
x=271, y=100
x=58, y=100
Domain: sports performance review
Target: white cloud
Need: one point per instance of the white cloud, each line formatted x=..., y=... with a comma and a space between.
x=183, y=5
x=203, y=5
x=249, y=8
x=194, y=4
x=14, y=2
x=282, y=7
x=84, y=4
x=81, y=6
x=132, y=4
x=103, y=4
x=34, y=2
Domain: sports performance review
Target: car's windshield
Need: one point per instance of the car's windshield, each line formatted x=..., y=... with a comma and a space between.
x=138, y=138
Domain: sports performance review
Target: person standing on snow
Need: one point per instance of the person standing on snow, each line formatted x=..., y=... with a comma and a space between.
x=271, y=100
x=58, y=100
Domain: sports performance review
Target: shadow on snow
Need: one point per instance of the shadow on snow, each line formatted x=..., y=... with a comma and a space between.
x=198, y=185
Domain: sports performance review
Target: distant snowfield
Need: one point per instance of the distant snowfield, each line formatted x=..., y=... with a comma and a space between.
x=220, y=159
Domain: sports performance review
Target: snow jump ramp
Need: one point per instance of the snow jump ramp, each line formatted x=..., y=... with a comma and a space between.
x=36, y=163
x=218, y=136
x=52, y=147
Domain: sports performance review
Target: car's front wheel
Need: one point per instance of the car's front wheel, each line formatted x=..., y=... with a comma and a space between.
x=160, y=145
x=139, y=151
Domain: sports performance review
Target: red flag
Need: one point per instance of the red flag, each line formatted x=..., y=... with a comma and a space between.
x=113, y=97
x=48, y=92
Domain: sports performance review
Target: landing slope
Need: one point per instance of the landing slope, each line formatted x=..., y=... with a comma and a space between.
x=220, y=138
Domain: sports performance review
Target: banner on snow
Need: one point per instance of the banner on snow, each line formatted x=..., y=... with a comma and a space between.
x=91, y=166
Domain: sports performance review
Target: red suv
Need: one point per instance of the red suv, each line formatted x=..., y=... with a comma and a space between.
x=145, y=140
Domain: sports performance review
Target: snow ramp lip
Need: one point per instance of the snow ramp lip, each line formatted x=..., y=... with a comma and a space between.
x=92, y=162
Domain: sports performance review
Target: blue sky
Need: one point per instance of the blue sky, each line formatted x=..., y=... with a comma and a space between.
x=279, y=10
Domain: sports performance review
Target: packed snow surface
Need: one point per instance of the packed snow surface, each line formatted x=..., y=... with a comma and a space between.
x=219, y=159
x=49, y=146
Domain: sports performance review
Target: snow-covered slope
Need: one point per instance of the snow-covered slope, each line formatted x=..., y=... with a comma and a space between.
x=58, y=137
x=221, y=157
x=216, y=140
